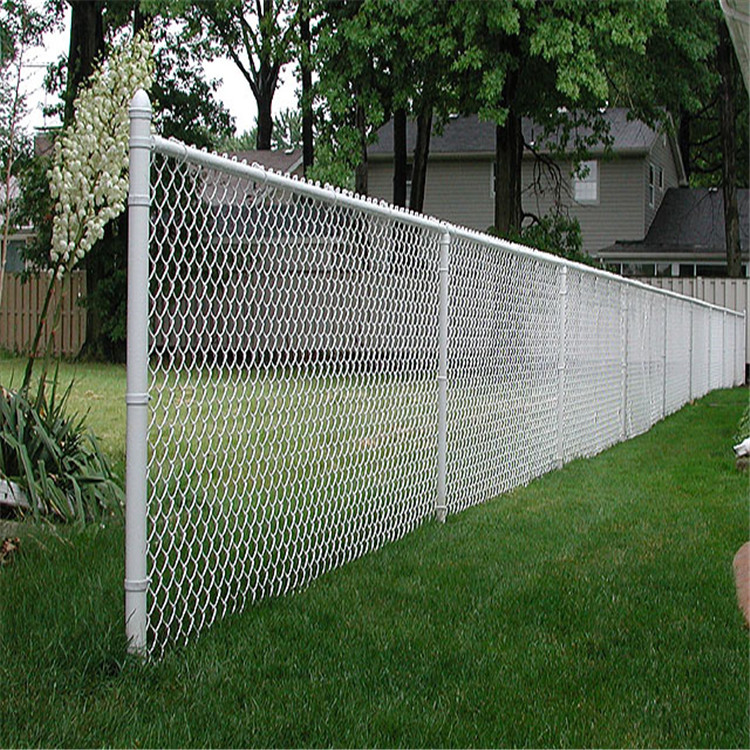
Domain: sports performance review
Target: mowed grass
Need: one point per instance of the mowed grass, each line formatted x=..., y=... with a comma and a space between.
x=594, y=607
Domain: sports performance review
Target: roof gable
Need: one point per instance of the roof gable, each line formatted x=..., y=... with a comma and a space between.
x=285, y=162
x=470, y=135
x=690, y=221
x=695, y=217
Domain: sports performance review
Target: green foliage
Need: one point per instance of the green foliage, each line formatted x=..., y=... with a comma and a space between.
x=34, y=208
x=555, y=233
x=183, y=100
x=287, y=134
x=53, y=458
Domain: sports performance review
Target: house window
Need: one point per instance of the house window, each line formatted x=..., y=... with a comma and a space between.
x=638, y=269
x=655, y=181
x=586, y=182
x=14, y=263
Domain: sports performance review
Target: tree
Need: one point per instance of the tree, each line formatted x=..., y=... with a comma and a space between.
x=306, y=62
x=20, y=27
x=287, y=134
x=706, y=96
x=258, y=36
x=729, y=73
x=528, y=58
x=88, y=176
x=184, y=107
x=353, y=64
x=87, y=47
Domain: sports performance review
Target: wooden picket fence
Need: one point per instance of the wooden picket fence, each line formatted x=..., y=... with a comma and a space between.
x=21, y=306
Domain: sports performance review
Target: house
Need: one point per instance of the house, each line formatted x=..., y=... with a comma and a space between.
x=614, y=196
x=17, y=238
x=221, y=189
x=686, y=237
x=287, y=162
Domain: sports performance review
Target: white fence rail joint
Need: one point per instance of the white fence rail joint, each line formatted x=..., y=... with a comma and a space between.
x=312, y=375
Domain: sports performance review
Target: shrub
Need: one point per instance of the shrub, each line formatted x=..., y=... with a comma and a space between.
x=54, y=459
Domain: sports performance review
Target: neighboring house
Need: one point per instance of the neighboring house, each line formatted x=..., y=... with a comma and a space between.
x=614, y=197
x=222, y=189
x=685, y=239
x=287, y=162
x=18, y=237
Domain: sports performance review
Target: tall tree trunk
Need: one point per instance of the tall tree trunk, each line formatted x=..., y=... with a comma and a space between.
x=508, y=155
x=727, y=115
x=360, y=172
x=86, y=46
x=683, y=140
x=308, y=153
x=140, y=18
x=400, y=164
x=265, y=118
x=421, y=152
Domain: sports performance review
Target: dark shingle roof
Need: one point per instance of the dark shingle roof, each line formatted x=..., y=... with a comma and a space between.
x=470, y=135
x=689, y=221
x=278, y=161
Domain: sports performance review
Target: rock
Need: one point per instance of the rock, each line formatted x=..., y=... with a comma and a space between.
x=741, y=566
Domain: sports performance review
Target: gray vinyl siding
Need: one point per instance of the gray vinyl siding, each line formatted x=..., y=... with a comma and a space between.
x=460, y=192
x=660, y=156
x=619, y=213
x=457, y=191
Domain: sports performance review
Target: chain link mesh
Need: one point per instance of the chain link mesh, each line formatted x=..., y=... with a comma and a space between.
x=293, y=398
x=293, y=363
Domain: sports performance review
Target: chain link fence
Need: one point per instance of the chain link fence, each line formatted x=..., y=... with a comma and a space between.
x=293, y=405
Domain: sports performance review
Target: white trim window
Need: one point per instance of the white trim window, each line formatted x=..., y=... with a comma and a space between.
x=655, y=180
x=586, y=182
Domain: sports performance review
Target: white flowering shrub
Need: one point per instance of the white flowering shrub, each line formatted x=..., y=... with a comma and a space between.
x=89, y=177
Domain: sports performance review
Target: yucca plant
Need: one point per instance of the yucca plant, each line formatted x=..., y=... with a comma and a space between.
x=53, y=458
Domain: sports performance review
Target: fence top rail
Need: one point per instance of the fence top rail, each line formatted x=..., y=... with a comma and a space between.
x=377, y=207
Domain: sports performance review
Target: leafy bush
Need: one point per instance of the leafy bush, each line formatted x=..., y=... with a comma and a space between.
x=555, y=233
x=54, y=459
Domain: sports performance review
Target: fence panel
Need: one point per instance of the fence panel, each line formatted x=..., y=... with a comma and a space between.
x=594, y=351
x=322, y=368
x=22, y=305
x=733, y=294
x=293, y=399
x=700, y=351
x=502, y=371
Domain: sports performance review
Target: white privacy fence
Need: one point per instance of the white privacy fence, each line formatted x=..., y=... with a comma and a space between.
x=312, y=375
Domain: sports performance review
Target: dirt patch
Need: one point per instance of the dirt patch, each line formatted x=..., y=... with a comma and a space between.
x=741, y=566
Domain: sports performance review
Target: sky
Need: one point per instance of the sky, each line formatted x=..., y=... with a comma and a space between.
x=234, y=91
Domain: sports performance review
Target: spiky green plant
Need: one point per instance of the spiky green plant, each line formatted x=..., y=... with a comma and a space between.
x=54, y=459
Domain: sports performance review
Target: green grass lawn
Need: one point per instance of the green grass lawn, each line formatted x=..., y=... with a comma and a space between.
x=594, y=607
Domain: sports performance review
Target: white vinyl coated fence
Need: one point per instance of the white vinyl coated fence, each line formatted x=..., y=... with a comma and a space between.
x=312, y=375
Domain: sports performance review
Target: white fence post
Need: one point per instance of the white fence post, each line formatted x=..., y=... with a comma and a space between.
x=563, y=272
x=724, y=379
x=624, y=363
x=691, y=347
x=708, y=349
x=441, y=506
x=664, y=362
x=136, y=398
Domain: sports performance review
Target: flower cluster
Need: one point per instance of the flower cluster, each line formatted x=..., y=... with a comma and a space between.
x=88, y=178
